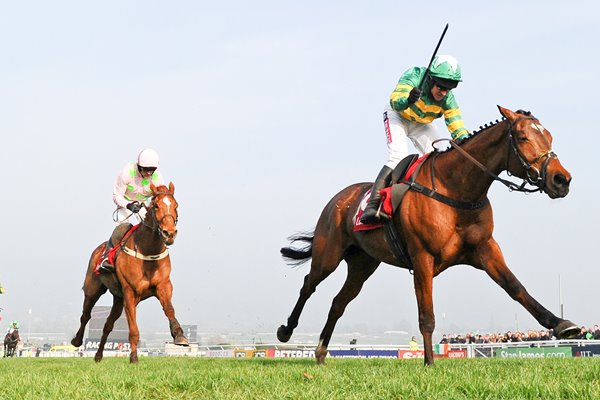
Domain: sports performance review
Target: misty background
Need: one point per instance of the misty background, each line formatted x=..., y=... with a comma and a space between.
x=261, y=111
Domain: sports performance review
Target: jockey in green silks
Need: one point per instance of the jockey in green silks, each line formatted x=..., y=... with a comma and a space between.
x=408, y=115
x=13, y=326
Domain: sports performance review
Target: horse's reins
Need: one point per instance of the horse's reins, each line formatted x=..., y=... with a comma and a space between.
x=156, y=223
x=512, y=186
x=155, y=228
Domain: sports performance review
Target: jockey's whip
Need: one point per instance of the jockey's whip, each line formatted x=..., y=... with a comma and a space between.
x=432, y=58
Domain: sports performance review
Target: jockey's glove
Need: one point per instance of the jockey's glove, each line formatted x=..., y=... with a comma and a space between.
x=414, y=95
x=461, y=139
x=134, y=207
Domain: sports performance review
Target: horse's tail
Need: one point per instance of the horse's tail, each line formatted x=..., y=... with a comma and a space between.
x=297, y=256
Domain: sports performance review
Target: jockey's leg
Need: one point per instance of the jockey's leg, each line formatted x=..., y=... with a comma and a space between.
x=371, y=214
x=395, y=133
x=116, y=236
x=422, y=136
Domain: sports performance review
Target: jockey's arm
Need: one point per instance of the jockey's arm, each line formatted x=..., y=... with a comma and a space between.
x=409, y=80
x=120, y=187
x=453, y=118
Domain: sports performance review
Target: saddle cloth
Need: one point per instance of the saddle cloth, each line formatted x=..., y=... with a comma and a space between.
x=112, y=253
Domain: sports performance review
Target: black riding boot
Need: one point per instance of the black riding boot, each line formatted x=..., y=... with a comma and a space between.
x=371, y=214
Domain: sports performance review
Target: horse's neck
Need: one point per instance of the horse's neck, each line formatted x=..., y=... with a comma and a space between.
x=147, y=240
x=458, y=174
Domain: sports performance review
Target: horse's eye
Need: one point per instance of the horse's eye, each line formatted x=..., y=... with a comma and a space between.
x=156, y=206
x=522, y=139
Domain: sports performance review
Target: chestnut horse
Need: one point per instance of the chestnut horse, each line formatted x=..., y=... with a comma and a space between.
x=438, y=233
x=140, y=273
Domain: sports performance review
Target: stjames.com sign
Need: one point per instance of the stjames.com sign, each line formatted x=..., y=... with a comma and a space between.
x=534, y=352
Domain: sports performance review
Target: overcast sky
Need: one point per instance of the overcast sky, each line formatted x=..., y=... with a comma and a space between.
x=261, y=111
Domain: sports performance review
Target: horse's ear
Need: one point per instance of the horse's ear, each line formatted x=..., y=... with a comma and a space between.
x=171, y=188
x=152, y=187
x=506, y=113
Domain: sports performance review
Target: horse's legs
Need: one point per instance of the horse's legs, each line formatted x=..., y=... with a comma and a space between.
x=492, y=262
x=131, y=301
x=92, y=290
x=164, y=292
x=115, y=313
x=360, y=268
x=423, y=282
x=327, y=255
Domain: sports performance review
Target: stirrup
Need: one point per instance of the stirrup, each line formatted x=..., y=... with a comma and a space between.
x=106, y=266
x=382, y=215
x=372, y=219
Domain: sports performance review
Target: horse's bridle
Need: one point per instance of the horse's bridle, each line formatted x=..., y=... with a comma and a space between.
x=156, y=224
x=537, y=181
x=539, y=178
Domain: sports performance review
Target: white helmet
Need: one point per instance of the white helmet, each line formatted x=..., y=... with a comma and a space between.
x=148, y=158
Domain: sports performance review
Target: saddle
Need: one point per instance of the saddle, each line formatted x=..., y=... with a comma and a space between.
x=391, y=196
x=116, y=241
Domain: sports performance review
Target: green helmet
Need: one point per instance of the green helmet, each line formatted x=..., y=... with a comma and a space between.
x=445, y=70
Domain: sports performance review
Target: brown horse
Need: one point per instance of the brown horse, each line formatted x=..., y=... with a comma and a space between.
x=10, y=343
x=140, y=273
x=451, y=227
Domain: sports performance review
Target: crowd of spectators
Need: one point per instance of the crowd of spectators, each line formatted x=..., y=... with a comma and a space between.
x=517, y=336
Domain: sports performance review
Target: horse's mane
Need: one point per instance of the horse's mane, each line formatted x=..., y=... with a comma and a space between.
x=485, y=127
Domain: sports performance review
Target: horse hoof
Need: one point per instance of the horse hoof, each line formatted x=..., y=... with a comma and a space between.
x=320, y=355
x=283, y=335
x=76, y=342
x=566, y=330
x=181, y=341
x=98, y=358
x=133, y=358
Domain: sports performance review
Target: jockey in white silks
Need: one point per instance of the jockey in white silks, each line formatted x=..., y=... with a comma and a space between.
x=132, y=186
x=131, y=192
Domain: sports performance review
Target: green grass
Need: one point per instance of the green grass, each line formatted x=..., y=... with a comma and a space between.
x=200, y=378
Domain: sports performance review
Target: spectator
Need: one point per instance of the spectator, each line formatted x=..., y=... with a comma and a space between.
x=596, y=332
x=413, y=345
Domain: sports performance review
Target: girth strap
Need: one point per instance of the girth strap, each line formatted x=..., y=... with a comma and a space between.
x=397, y=244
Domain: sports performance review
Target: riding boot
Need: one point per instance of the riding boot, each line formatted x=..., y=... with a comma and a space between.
x=118, y=233
x=105, y=265
x=371, y=214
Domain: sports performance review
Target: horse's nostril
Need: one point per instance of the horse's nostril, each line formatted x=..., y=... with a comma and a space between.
x=561, y=180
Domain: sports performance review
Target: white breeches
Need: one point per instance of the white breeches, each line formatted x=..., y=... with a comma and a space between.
x=398, y=129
